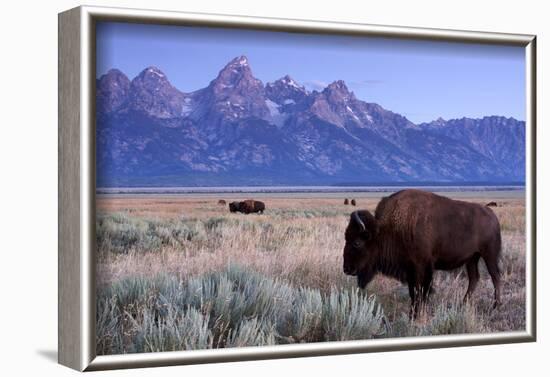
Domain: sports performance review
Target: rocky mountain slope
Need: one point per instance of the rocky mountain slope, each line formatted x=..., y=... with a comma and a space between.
x=238, y=131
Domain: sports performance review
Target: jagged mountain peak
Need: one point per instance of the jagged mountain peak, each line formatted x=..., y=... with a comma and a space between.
x=236, y=76
x=153, y=70
x=152, y=74
x=238, y=131
x=234, y=94
x=289, y=81
x=337, y=105
x=152, y=93
x=286, y=91
x=112, y=91
x=337, y=85
x=338, y=90
x=112, y=80
x=439, y=122
x=113, y=72
x=239, y=61
x=238, y=66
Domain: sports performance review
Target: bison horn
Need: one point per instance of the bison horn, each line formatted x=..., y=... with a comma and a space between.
x=357, y=219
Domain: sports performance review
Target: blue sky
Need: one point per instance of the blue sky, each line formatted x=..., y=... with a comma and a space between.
x=419, y=79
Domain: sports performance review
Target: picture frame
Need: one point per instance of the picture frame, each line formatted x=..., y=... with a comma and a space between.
x=77, y=188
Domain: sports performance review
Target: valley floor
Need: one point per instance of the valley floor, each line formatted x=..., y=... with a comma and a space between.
x=181, y=272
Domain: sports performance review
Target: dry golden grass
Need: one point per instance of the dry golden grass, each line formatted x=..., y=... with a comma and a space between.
x=300, y=241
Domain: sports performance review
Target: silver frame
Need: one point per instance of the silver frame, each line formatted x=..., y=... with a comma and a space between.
x=77, y=189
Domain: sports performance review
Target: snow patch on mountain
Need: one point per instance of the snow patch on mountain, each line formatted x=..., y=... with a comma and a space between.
x=155, y=72
x=279, y=133
x=186, y=107
x=276, y=117
x=291, y=82
x=352, y=113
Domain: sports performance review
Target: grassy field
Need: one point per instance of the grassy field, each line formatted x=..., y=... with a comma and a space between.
x=181, y=272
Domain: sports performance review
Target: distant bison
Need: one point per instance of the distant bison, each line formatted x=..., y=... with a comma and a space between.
x=414, y=233
x=248, y=206
x=353, y=202
x=346, y=201
x=492, y=204
x=222, y=202
x=234, y=206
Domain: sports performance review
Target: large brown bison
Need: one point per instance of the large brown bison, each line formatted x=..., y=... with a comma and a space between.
x=353, y=202
x=346, y=201
x=247, y=206
x=222, y=202
x=413, y=233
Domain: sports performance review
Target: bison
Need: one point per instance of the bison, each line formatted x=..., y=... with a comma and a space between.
x=234, y=206
x=353, y=202
x=346, y=201
x=247, y=206
x=492, y=204
x=222, y=202
x=413, y=233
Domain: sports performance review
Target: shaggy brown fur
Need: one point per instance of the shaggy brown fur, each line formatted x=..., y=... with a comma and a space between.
x=414, y=233
x=248, y=206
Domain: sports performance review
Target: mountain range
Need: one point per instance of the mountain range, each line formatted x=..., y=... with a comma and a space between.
x=240, y=131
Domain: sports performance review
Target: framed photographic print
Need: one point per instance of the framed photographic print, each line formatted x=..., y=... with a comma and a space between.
x=236, y=188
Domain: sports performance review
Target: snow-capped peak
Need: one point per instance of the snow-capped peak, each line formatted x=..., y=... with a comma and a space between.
x=155, y=71
x=289, y=81
x=239, y=61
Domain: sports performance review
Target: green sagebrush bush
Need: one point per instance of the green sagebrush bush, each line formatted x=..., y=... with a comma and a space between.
x=232, y=308
x=306, y=213
x=118, y=233
x=453, y=318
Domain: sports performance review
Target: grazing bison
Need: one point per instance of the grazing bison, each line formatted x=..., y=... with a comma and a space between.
x=222, y=202
x=414, y=233
x=248, y=206
x=353, y=202
x=234, y=206
x=492, y=204
x=346, y=201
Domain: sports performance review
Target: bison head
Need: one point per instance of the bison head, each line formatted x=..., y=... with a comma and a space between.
x=234, y=206
x=360, y=250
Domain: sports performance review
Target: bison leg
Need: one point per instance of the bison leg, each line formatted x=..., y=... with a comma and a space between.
x=427, y=283
x=419, y=289
x=473, y=276
x=494, y=271
x=415, y=291
x=412, y=292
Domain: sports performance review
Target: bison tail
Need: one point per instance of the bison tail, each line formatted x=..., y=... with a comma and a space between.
x=499, y=245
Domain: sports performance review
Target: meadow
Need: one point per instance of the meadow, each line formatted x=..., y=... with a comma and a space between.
x=179, y=272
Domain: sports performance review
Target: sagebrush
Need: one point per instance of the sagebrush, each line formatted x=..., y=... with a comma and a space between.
x=233, y=308
x=154, y=252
